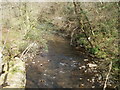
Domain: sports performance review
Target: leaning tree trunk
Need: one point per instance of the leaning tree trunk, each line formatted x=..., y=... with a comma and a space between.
x=81, y=24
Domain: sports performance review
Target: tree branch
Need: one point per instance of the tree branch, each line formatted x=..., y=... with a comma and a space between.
x=81, y=24
x=107, y=77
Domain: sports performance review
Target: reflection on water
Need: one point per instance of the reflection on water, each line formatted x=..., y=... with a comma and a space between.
x=59, y=68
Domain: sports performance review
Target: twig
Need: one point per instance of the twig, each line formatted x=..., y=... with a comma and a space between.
x=107, y=77
x=26, y=50
x=72, y=34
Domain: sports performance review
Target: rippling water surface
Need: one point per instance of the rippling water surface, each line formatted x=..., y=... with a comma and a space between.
x=59, y=67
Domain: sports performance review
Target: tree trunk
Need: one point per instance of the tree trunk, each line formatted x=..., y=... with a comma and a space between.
x=81, y=24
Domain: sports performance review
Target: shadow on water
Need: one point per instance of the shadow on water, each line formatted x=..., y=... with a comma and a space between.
x=58, y=68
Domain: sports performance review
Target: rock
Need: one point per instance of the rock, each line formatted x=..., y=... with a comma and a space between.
x=96, y=75
x=93, y=80
x=85, y=60
x=83, y=67
x=88, y=79
x=40, y=64
x=100, y=77
x=17, y=58
x=62, y=64
x=33, y=62
x=62, y=72
x=81, y=78
x=92, y=65
x=16, y=76
x=82, y=84
x=73, y=61
x=85, y=71
x=80, y=67
x=73, y=65
x=53, y=77
x=45, y=74
x=93, y=86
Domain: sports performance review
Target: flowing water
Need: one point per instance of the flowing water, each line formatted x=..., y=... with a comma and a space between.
x=61, y=67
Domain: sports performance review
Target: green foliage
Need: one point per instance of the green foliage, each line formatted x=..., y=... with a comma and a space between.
x=15, y=70
x=22, y=46
x=116, y=64
x=68, y=9
x=34, y=25
x=32, y=35
x=94, y=50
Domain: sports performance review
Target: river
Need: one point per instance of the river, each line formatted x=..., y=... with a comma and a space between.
x=61, y=67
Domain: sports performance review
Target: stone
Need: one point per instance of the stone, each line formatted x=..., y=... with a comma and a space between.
x=92, y=65
x=81, y=78
x=83, y=67
x=33, y=62
x=85, y=60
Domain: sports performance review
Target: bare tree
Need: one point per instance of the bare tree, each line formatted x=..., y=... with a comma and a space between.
x=81, y=26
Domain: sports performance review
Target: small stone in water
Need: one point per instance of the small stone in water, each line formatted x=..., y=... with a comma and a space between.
x=92, y=65
x=93, y=79
x=74, y=61
x=45, y=74
x=54, y=77
x=85, y=59
x=85, y=71
x=62, y=63
x=88, y=79
x=82, y=84
x=83, y=66
x=80, y=67
x=80, y=78
x=93, y=86
x=15, y=57
x=33, y=62
x=100, y=77
x=62, y=72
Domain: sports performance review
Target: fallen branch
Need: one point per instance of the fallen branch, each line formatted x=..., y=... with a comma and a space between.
x=26, y=50
x=107, y=77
